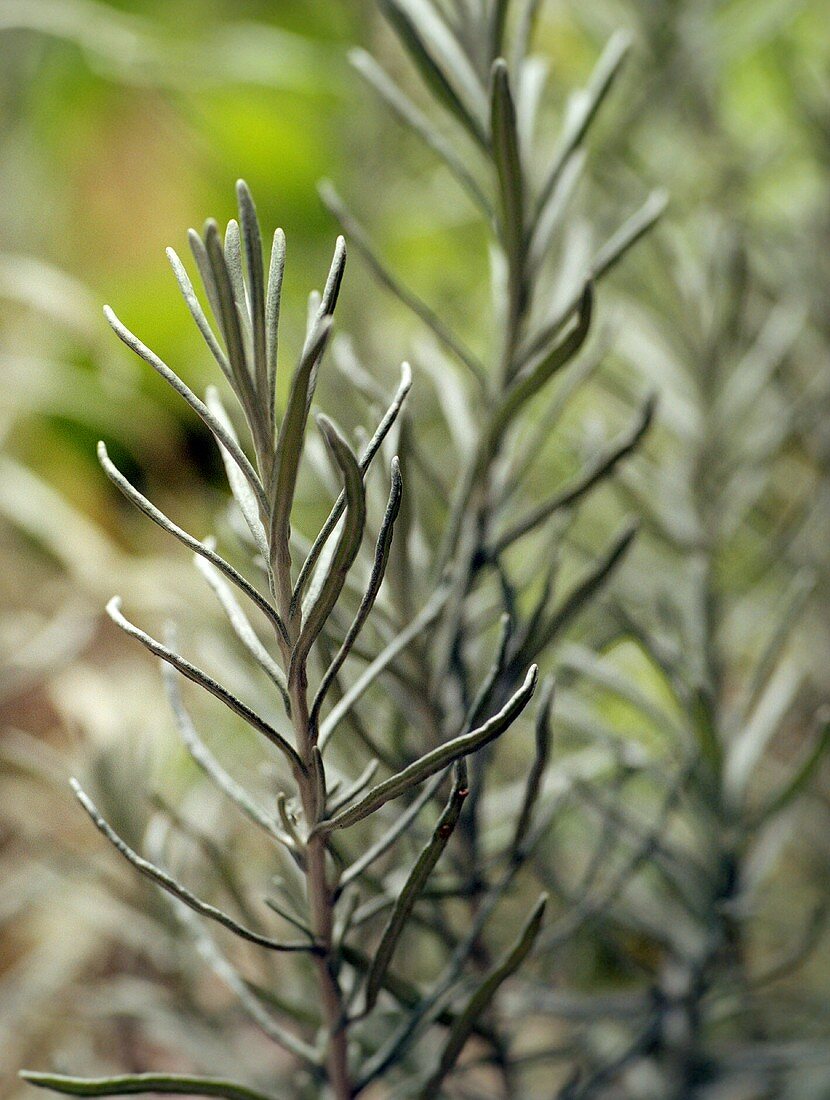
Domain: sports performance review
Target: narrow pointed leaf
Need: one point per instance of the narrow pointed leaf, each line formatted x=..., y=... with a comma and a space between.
x=199, y=407
x=543, y=365
x=412, y=888
x=795, y=599
x=347, y=546
x=629, y=233
x=351, y=792
x=197, y=676
x=232, y=247
x=322, y=306
x=552, y=215
x=234, y=321
x=228, y=308
x=197, y=248
x=382, y=548
x=483, y=997
x=135, y=1083
x=199, y=316
x=438, y=759
x=242, y=627
x=273, y=302
x=427, y=616
x=595, y=472
x=746, y=751
x=582, y=593
x=172, y=886
x=204, y=759
x=440, y=60
x=334, y=279
x=803, y=773
x=584, y=107
x=240, y=488
x=318, y=775
x=507, y=159
x=360, y=239
x=372, y=448
x=385, y=842
x=605, y=259
x=289, y=452
x=252, y=241
x=201, y=548
x=412, y=116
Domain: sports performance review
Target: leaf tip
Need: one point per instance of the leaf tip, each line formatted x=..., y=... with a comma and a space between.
x=324, y=423
x=658, y=201
x=113, y=608
x=620, y=44
x=34, y=1078
x=499, y=70
x=211, y=232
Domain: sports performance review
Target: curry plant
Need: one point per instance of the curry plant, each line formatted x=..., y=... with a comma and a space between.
x=730, y=742
x=461, y=623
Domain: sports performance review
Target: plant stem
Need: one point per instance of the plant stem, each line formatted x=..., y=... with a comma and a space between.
x=467, y=530
x=331, y=996
x=320, y=898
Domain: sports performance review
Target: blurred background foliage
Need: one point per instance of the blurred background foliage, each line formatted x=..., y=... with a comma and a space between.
x=123, y=123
